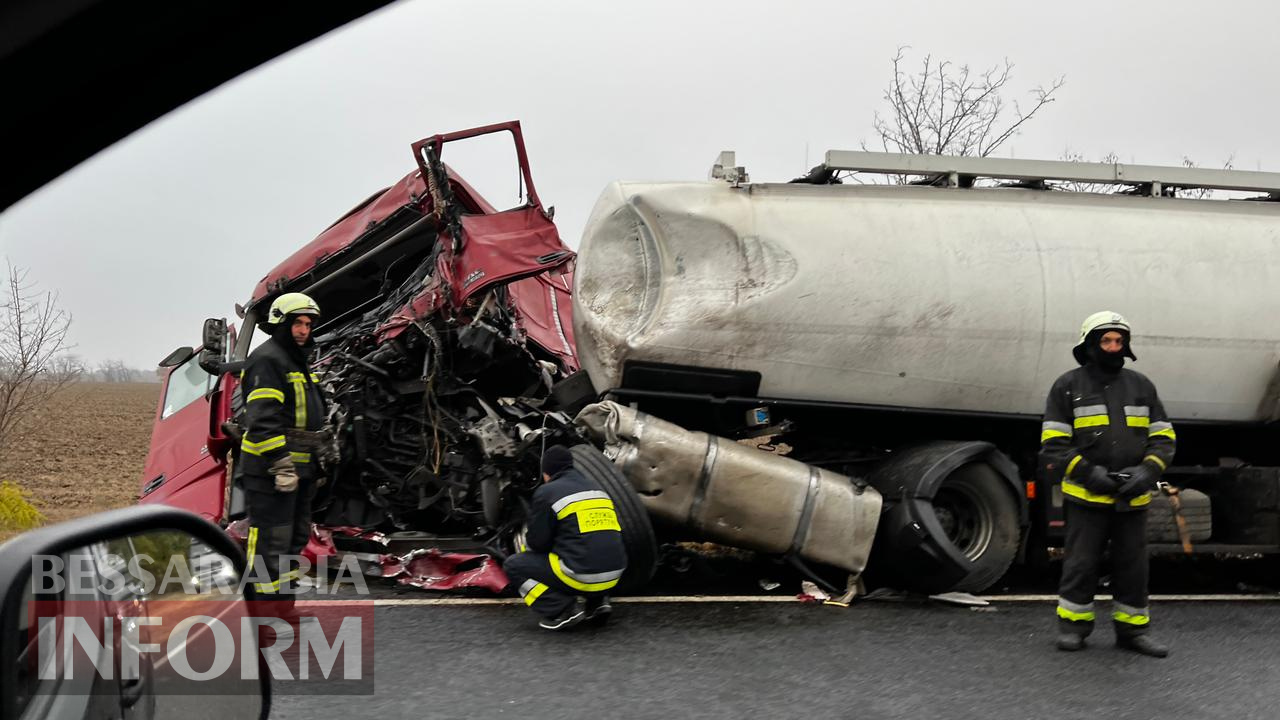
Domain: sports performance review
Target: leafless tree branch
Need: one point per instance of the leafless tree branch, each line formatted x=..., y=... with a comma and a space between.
x=1112, y=158
x=33, y=345
x=1070, y=155
x=942, y=109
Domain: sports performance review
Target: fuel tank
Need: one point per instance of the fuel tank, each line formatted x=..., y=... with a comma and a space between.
x=955, y=299
x=733, y=494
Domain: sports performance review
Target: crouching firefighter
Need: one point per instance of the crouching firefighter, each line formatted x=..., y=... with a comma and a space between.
x=284, y=410
x=574, y=554
x=1107, y=439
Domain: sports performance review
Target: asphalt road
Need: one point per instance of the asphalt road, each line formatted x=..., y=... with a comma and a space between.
x=786, y=660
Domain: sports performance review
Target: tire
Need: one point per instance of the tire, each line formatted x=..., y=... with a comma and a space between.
x=979, y=513
x=1196, y=510
x=637, y=531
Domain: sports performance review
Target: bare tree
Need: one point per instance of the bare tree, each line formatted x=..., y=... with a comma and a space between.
x=1112, y=158
x=33, y=343
x=1202, y=193
x=1070, y=155
x=115, y=371
x=944, y=109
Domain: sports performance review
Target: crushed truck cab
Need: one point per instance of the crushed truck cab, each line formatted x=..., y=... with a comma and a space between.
x=444, y=345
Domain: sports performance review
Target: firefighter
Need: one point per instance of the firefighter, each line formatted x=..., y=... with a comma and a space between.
x=1107, y=439
x=284, y=412
x=574, y=552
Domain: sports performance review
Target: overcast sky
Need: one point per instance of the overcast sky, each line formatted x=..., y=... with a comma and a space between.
x=180, y=220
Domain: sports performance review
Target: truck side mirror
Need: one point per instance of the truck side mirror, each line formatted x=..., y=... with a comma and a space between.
x=215, y=336
x=177, y=357
x=214, y=345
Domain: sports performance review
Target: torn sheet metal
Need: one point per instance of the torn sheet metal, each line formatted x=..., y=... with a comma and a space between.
x=430, y=569
x=319, y=545
x=239, y=530
x=359, y=533
x=425, y=568
x=733, y=494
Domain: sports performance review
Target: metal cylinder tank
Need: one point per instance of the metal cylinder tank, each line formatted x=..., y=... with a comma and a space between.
x=736, y=495
x=925, y=297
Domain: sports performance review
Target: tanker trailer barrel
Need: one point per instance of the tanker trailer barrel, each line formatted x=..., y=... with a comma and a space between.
x=899, y=295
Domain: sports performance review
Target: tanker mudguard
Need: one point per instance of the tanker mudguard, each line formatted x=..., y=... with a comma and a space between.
x=916, y=472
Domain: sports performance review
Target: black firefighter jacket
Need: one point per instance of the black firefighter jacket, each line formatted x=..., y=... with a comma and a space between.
x=574, y=521
x=280, y=394
x=1114, y=420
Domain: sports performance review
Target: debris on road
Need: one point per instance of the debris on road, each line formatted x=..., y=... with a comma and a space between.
x=811, y=593
x=430, y=569
x=959, y=598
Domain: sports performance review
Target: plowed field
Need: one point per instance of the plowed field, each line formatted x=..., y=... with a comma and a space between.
x=84, y=452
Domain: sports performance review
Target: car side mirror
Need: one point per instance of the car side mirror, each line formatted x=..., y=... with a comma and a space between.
x=177, y=357
x=140, y=612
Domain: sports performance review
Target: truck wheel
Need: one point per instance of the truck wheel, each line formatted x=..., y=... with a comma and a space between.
x=953, y=516
x=980, y=517
x=637, y=531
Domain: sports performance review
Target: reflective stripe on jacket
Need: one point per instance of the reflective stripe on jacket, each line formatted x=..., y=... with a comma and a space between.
x=279, y=395
x=1095, y=418
x=575, y=521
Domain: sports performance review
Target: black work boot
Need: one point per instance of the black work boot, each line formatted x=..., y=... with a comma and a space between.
x=1070, y=642
x=567, y=619
x=599, y=609
x=1143, y=645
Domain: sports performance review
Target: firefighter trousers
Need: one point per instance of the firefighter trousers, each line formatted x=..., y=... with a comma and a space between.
x=533, y=579
x=279, y=527
x=1089, y=530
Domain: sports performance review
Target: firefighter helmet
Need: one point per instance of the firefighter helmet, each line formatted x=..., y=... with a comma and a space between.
x=1101, y=321
x=291, y=304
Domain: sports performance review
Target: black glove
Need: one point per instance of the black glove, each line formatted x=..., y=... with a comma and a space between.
x=1099, y=482
x=1142, y=479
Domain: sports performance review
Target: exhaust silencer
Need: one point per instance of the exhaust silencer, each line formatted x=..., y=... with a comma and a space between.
x=733, y=494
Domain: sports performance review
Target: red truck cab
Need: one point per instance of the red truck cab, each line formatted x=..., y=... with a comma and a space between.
x=431, y=211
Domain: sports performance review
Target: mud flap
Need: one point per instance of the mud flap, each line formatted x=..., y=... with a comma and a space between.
x=911, y=528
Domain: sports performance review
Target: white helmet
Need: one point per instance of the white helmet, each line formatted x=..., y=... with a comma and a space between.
x=291, y=304
x=1105, y=320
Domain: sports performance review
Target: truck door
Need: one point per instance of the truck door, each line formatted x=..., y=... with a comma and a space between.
x=187, y=462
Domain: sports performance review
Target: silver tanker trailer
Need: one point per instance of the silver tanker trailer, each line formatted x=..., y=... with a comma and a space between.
x=896, y=344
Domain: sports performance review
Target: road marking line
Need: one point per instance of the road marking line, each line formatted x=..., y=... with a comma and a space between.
x=1209, y=597
x=444, y=601
x=411, y=602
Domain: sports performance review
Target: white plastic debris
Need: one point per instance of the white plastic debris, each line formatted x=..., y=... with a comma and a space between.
x=813, y=591
x=960, y=598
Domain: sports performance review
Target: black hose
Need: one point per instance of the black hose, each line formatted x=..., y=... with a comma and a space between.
x=802, y=568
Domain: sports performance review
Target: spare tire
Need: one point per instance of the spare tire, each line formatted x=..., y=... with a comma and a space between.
x=637, y=531
x=1196, y=510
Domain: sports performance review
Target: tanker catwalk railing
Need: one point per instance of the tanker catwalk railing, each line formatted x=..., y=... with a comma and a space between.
x=953, y=168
